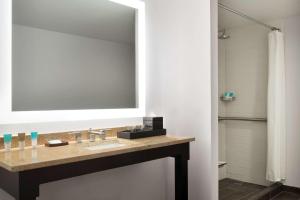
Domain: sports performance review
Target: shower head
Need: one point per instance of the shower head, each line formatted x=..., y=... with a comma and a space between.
x=222, y=35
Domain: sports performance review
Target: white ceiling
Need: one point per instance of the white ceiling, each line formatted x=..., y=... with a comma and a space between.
x=263, y=10
x=101, y=19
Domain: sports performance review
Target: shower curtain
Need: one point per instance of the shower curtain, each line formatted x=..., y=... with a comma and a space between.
x=276, y=155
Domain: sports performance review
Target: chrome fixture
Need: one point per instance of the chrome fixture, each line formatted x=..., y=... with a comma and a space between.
x=101, y=133
x=273, y=28
x=222, y=35
x=255, y=119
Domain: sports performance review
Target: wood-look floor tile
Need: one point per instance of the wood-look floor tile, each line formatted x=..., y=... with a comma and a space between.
x=287, y=196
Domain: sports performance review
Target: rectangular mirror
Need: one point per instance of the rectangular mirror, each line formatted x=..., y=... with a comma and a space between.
x=73, y=55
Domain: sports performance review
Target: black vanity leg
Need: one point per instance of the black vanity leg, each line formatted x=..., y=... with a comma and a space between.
x=28, y=194
x=181, y=178
x=28, y=188
x=26, y=197
x=19, y=185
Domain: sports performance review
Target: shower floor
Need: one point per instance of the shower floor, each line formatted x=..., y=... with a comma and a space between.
x=230, y=189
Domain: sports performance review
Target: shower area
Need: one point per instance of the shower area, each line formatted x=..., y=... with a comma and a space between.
x=251, y=105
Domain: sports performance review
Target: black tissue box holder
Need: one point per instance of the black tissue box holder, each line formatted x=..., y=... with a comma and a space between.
x=141, y=133
x=154, y=123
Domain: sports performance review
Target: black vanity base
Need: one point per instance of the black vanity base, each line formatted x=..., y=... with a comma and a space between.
x=25, y=185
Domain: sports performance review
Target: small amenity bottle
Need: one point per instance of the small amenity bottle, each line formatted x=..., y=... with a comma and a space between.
x=34, y=137
x=21, y=138
x=7, y=141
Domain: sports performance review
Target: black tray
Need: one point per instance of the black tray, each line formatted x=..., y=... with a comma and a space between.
x=141, y=134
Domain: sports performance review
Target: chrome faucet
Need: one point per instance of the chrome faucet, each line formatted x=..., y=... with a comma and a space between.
x=101, y=133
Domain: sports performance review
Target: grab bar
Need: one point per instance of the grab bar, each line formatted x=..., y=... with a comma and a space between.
x=256, y=119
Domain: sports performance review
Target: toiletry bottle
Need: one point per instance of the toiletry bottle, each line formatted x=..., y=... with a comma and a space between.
x=34, y=137
x=7, y=141
x=21, y=138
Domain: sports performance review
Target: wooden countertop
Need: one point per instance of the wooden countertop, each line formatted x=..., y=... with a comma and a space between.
x=17, y=160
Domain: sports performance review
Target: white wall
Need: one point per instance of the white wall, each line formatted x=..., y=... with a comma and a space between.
x=243, y=69
x=59, y=71
x=179, y=88
x=292, y=39
x=214, y=99
x=222, y=106
x=180, y=49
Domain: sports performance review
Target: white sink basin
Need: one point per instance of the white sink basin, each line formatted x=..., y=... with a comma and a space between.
x=105, y=145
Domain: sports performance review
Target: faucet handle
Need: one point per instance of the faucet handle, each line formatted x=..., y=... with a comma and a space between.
x=102, y=134
x=103, y=131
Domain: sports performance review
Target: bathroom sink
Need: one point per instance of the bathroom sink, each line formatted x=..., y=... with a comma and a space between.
x=105, y=145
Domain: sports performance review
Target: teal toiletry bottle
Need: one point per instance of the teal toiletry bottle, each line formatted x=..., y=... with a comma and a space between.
x=7, y=141
x=34, y=138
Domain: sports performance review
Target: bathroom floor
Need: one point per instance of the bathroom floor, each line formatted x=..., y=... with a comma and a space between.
x=230, y=189
x=287, y=196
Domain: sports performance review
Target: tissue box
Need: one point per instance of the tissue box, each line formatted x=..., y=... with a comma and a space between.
x=153, y=123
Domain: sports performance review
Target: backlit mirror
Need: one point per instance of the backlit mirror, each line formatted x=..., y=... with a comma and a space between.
x=73, y=55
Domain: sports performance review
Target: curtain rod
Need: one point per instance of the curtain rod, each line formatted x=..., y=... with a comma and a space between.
x=273, y=28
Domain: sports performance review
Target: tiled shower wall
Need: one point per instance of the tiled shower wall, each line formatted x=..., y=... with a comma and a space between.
x=243, y=64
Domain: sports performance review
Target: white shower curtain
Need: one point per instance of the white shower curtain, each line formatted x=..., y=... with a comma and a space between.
x=276, y=162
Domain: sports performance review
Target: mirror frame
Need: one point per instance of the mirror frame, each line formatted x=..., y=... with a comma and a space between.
x=7, y=116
